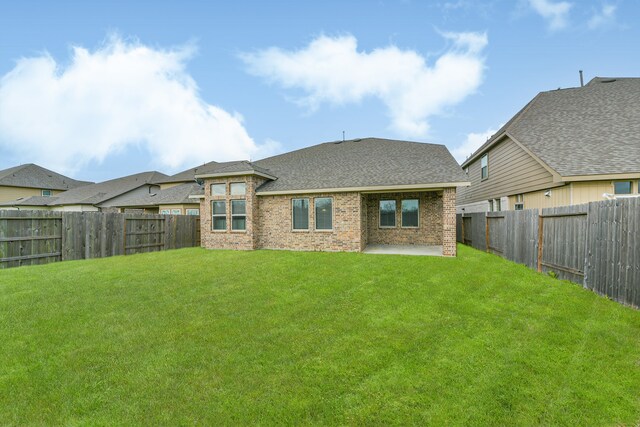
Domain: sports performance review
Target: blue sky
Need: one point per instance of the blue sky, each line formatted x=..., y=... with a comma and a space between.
x=98, y=90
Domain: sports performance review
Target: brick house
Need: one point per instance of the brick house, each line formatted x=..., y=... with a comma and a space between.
x=336, y=196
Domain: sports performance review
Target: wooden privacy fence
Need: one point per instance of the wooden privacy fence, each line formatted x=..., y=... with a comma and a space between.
x=595, y=244
x=40, y=237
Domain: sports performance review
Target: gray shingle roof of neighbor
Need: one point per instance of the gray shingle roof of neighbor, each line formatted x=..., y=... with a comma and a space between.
x=101, y=192
x=30, y=201
x=34, y=176
x=587, y=130
x=187, y=175
x=174, y=195
x=357, y=163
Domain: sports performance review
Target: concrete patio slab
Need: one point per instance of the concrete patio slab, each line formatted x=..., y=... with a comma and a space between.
x=423, y=250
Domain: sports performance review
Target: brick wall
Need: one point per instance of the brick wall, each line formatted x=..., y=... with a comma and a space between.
x=228, y=239
x=429, y=230
x=449, y=222
x=276, y=230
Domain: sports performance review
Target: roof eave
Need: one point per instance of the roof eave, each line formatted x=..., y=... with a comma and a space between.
x=231, y=174
x=369, y=189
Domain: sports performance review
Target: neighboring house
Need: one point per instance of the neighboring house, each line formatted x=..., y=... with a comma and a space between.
x=173, y=196
x=174, y=200
x=103, y=196
x=336, y=196
x=566, y=147
x=31, y=180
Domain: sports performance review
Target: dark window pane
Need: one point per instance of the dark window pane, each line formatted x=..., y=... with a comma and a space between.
x=238, y=207
x=300, y=214
x=323, y=214
x=410, y=213
x=219, y=223
x=622, y=187
x=387, y=213
x=219, y=208
x=238, y=223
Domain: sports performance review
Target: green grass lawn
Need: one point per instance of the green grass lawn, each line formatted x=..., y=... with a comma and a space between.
x=273, y=337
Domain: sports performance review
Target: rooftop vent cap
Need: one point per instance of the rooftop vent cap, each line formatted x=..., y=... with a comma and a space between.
x=607, y=80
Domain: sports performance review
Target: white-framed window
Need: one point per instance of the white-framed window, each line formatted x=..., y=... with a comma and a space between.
x=176, y=211
x=165, y=211
x=238, y=215
x=484, y=167
x=387, y=214
x=219, y=215
x=300, y=214
x=323, y=213
x=623, y=187
x=218, y=189
x=193, y=212
x=497, y=205
x=238, y=188
x=491, y=205
x=410, y=213
x=519, y=205
x=47, y=193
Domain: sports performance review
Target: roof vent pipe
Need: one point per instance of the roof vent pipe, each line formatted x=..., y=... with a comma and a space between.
x=581, y=79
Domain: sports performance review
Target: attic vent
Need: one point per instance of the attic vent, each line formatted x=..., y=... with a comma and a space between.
x=607, y=80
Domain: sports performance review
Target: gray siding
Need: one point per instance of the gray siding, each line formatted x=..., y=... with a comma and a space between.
x=511, y=171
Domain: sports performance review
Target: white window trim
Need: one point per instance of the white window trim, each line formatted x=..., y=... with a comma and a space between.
x=238, y=215
x=395, y=214
x=401, y=221
x=46, y=195
x=165, y=212
x=315, y=222
x=174, y=210
x=224, y=215
x=485, y=156
x=308, y=214
x=193, y=211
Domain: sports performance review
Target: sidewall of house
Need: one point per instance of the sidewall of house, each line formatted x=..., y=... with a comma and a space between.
x=276, y=230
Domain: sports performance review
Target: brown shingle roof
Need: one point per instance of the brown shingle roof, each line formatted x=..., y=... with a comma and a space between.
x=357, y=163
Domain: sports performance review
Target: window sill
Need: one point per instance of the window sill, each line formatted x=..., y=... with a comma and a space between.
x=387, y=228
x=324, y=231
x=300, y=230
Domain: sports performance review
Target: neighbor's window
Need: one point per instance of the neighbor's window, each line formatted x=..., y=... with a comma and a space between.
x=324, y=213
x=497, y=205
x=519, y=205
x=300, y=214
x=387, y=213
x=410, y=212
x=238, y=215
x=219, y=215
x=218, y=189
x=46, y=193
x=238, y=188
x=176, y=211
x=165, y=212
x=193, y=211
x=484, y=167
x=490, y=205
x=622, y=187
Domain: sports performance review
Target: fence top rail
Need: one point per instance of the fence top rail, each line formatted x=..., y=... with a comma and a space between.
x=559, y=215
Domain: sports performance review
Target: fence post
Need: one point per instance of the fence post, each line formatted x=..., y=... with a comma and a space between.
x=486, y=231
x=540, y=240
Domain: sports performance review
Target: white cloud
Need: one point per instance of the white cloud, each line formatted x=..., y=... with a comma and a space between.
x=104, y=101
x=556, y=13
x=606, y=17
x=332, y=70
x=471, y=144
